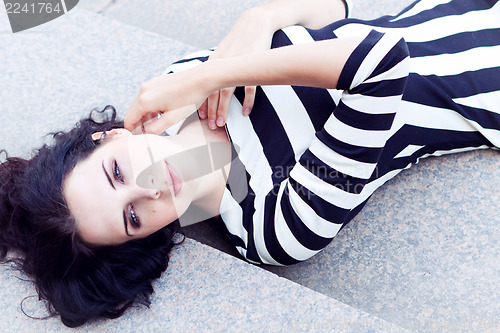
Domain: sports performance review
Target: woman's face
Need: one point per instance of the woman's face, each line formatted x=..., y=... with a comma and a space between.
x=105, y=200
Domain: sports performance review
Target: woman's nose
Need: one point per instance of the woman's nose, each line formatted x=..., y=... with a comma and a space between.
x=148, y=193
x=153, y=177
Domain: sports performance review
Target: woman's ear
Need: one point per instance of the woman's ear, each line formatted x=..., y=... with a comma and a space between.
x=113, y=133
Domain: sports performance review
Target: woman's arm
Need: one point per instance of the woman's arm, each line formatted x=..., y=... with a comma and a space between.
x=315, y=64
x=253, y=32
x=312, y=14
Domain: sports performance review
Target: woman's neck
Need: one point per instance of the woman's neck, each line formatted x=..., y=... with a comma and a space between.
x=212, y=186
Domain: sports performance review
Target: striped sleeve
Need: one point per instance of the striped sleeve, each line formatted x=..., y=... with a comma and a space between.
x=348, y=7
x=332, y=177
x=189, y=61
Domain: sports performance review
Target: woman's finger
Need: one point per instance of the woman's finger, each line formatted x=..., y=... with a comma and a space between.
x=131, y=118
x=224, y=102
x=203, y=110
x=147, y=119
x=249, y=99
x=168, y=119
x=136, y=110
x=140, y=107
x=213, y=105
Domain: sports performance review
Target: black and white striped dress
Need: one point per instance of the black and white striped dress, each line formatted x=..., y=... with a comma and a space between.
x=424, y=82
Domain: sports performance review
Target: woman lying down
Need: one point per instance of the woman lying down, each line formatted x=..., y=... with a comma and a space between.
x=325, y=113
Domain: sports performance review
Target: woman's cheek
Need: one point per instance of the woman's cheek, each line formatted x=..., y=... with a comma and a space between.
x=180, y=203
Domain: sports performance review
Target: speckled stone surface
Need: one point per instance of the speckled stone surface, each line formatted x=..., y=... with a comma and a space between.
x=52, y=76
x=370, y=9
x=204, y=290
x=198, y=23
x=204, y=23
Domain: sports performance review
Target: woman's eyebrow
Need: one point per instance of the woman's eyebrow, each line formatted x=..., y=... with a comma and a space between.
x=125, y=224
x=107, y=176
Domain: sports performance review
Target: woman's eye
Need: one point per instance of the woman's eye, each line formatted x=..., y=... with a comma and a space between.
x=117, y=172
x=134, y=219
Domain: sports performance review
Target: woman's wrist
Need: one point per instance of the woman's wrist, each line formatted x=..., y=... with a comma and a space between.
x=313, y=14
x=210, y=75
x=280, y=13
x=312, y=64
x=263, y=17
x=221, y=73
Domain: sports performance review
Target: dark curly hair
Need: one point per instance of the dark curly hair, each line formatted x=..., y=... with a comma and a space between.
x=78, y=281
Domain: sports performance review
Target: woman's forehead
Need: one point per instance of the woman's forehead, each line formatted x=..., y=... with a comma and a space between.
x=90, y=199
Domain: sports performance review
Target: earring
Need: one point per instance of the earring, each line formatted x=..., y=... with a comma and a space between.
x=97, y=136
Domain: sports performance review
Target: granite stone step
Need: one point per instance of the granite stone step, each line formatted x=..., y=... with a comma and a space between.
x=204, y=23
x=204, y=290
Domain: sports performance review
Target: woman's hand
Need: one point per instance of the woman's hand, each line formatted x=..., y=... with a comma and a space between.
x=175, y=96
x=316, y=64
x=252, y=33
x=242, y=60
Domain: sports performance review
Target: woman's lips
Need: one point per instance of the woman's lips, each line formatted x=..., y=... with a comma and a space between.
x=175, y=179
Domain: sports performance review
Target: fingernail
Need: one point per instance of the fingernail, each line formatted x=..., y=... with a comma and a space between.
x=246, y=111
x=220, y=121
x=203, y=114
x=211, y=124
